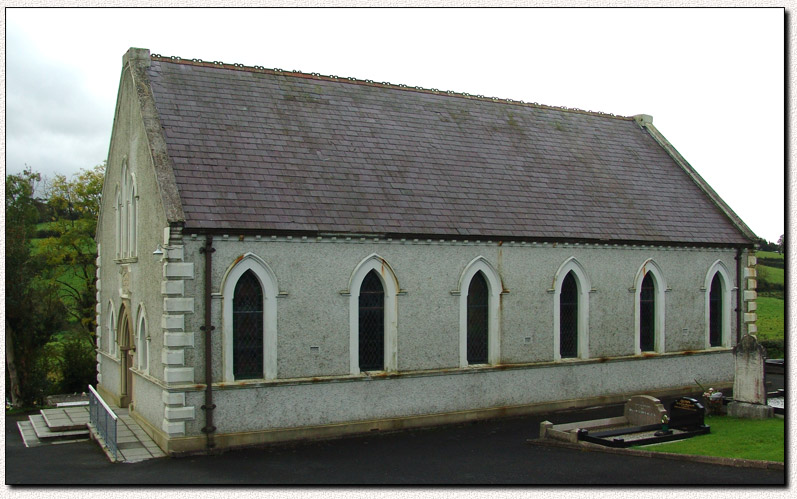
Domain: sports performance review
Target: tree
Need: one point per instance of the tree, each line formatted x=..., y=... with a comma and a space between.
x=71, y=251
x=33, y=311
x=781, y=244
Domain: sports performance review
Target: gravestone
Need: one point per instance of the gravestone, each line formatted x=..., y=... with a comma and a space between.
x=642, y=410
x=749, y=390
x=687, y=413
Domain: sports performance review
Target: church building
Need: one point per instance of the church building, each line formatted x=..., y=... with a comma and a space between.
x=287, y=255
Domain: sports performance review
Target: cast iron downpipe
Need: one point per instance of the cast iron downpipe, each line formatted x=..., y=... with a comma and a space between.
x=208, y=250
x=739, y=295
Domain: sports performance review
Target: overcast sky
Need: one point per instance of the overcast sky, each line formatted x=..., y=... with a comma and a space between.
x=713, y=79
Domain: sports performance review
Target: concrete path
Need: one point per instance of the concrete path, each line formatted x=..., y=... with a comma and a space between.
x=133, y=443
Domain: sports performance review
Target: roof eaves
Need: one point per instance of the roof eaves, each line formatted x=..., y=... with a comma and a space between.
x=441, y=237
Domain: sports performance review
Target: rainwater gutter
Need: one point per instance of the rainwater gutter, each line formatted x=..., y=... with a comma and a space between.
x=209, y=429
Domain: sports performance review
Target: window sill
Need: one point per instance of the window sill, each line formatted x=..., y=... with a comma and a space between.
x=375, y=376
x=126, y=260
x=108, y=355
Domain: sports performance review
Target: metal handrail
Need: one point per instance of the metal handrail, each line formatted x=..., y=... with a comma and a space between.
x=104, y=421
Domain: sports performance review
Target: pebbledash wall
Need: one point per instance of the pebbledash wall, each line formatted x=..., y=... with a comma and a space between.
x=311, y=284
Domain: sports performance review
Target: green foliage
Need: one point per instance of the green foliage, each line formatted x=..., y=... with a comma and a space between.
x=35, y=384
x=34, y=311
x=776, y=349
x=733, y=437
x=765, y=245
x=48, y=281
x=770, y=275
x=75, y=363
x=32, y=324
x=21, y=210
x=70, y=251
x=770, y=281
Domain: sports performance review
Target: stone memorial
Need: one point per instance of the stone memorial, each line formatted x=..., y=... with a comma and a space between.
x=749, y=390
x=687, y=413
x=642, y=410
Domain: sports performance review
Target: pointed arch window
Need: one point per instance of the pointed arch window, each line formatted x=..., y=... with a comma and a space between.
x=372, y=324
x=718, y=291
x=647, y=314
x=126, y=214
x=247, y=316
x=571, y=311
x=479, y=289
x=373, y=316
x=568, y=317
x=124, y=206
x=478, y=319
x=649, y=307
x=143, y=343
x=132, y=250
x=111, y=346
x=118, y=223
x=249, y=292
x=715, y=312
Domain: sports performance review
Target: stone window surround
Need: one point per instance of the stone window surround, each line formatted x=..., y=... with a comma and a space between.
x=660, y=286
x=268, y=282
x=584, y=289
x=725, y=280
x=126, y=215
x=391, y=286
x=375, y=262
x=112, y=349
x=495, y=289
x=143, y=343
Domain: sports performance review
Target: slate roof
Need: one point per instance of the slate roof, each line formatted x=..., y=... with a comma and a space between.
x=270, y=151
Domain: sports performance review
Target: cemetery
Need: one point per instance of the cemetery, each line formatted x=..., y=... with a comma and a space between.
x=645, y=420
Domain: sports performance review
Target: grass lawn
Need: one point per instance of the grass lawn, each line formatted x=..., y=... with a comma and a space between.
x=770, y=274
x=733, y=437
x=770, y=318
x=769, y=254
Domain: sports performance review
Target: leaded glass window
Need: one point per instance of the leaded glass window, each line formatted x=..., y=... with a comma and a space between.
x=478, y=297
x=568, y=317
x=715, y=312
x=372, y=324
x=647, y=313
x=247, y=316
x=142, y=345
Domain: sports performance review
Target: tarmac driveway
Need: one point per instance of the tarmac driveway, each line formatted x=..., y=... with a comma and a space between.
x=486, y=452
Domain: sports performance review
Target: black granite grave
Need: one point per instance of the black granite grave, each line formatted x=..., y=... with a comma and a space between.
x=686, y=417
x=687, y=413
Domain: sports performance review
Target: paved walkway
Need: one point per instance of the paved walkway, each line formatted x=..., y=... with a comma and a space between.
x=133, y=443
x=71, y=424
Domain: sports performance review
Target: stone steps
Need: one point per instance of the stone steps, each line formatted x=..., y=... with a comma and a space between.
x=66, y=418
x=28, y=435
x=46, y=434
x=70, y=423
x=59, y=425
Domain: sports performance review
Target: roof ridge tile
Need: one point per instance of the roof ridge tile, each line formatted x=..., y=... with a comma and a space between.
x=367, y=82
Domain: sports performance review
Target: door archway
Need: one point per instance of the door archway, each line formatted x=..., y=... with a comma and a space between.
x=126, y=350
